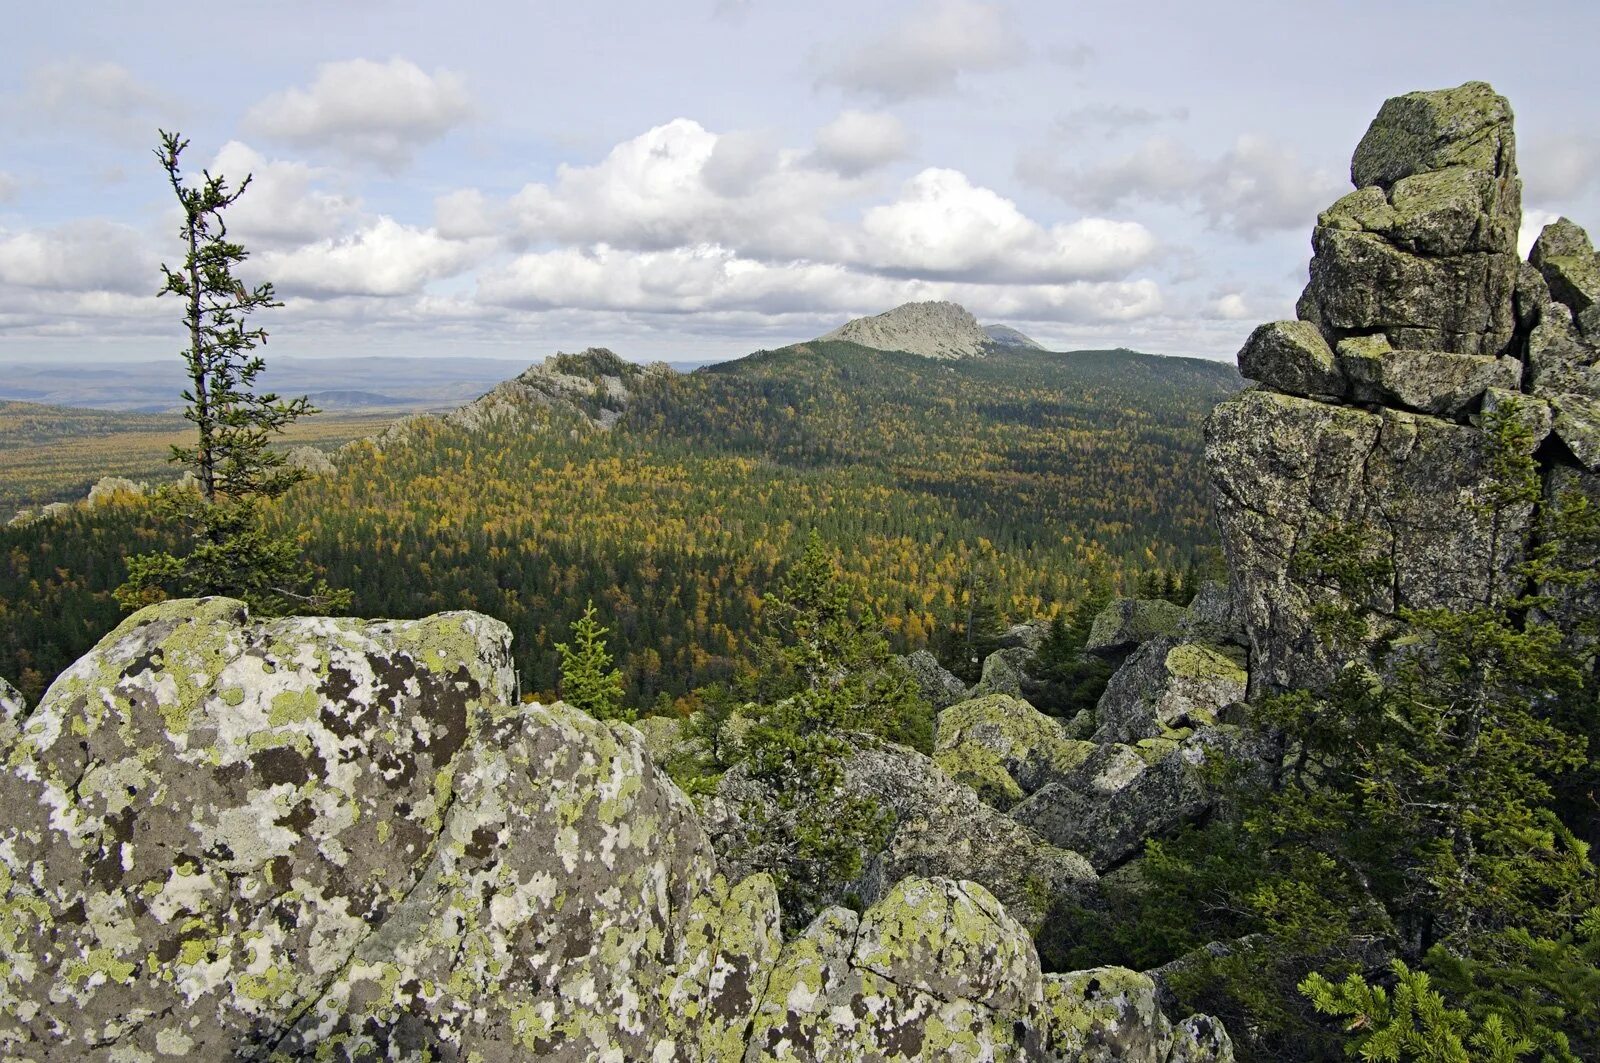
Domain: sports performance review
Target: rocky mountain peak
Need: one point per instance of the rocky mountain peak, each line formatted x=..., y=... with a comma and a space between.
x=933, y=330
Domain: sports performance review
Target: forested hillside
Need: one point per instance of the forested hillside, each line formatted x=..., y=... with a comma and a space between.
x=1027, y=479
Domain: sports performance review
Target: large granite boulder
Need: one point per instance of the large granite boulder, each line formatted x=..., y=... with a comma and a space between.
x=1169, y=683
x=1292, y=356
x=1004, y=672
x=13, y=708
x=335, y=839
x=1566, y=260
x=1424, y=251
x=937, y=970
x=1126, y=622
x=1121, y=795
x=940, y=829
x=1004, y=748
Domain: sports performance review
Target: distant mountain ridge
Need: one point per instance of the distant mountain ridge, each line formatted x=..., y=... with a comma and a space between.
x=1006, y=336
x=933, y=329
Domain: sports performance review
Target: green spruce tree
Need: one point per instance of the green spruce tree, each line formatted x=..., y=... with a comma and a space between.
x=588, y=680
x=231, y=469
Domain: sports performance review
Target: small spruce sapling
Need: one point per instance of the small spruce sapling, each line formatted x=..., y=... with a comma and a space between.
x=588, y=680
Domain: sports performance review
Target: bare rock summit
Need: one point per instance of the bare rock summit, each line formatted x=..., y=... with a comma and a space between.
x=933, y=330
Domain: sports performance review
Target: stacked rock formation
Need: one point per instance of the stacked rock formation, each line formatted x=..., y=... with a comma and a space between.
x=338, y=839
x=1418, y=320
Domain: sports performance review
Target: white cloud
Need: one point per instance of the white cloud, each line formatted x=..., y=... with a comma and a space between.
x=1114, y=119
x=91, y=255
x=9, y=187
x=1233, y=307
x=945, y=225
x=678, y=186
x=467, y=214
x=859, y=141
x=1255, y=187
x=707, y=278
x=282, y=205
x=379, y=112
x=675, y=185
x=385, y=258
x=102, y=96
x=928, y=51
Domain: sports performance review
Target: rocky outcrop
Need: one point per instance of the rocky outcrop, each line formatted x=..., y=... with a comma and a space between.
x=594, y=386
x=1424, y=251
x=1006, y=336
x=339, y=839
x=932, y=330
x=1004, y=672
x=1434, y=324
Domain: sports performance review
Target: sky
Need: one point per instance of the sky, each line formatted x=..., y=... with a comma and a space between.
x=697, y=179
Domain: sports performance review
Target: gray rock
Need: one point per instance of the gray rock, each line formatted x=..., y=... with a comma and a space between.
x=1004, y=748
x=1028, y=635
x=941, y=829
x=1123, y=796
x=1291, y=356
x=310, y=460
x=1110, y=1015
x=13, y=710
x=1003, y=672
x=1127, y=622
x=1438, y=382
x=1560, y=361
x=1574, y=608
x=938, y=686
x=1424, y=251
x=334, y=838
x=1211, y=616
x=1421, y=131
x=1285, y=469
x=937, y=970
x=1577, y=424
x=930, y=329
x=1166, y=684
x=1566, y=259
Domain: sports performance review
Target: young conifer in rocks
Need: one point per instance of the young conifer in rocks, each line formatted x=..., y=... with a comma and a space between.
x=588, y=680
x=231, y=470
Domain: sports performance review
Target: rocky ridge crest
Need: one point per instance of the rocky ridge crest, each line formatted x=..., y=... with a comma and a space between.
x=932, y=330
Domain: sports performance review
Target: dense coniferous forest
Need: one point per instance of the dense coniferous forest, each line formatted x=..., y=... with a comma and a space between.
x=1033, y=480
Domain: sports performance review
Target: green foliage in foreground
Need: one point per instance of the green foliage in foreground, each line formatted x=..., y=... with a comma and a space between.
x=1406, y=863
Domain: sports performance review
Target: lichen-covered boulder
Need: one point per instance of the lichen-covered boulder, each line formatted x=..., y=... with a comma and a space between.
x=1110, y=1015
x=1004, y=748
x=1292, y=356
x=1211, y=616
x=1577, y=424
x=938, y=685
x=1168, y=683
x=939, y=829
x=1566, y=260
x=1003, y=672
x=1126, y=622
x=935, y=970
x=1122, y=796
x=1424, y=251
x=205, y=818
x=1286, y=470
